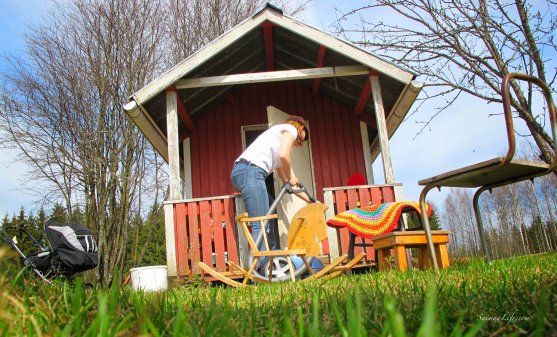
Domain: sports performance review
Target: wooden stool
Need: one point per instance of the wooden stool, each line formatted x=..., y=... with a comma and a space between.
x=399, y=241
x=352, y=237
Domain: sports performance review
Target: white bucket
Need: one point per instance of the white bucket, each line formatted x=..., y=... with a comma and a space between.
x=153, y=278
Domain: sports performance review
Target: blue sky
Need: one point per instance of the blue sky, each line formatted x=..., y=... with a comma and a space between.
x=463, y=135
x=447, y=144
x=15, y=17
x=458, y=137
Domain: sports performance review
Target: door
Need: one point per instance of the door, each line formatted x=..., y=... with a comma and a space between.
x=303, y=169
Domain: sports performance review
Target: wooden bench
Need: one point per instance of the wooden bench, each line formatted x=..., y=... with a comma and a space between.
x=499, y=171
x=400, y=241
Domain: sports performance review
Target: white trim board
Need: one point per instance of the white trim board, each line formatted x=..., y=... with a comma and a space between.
x=272, y=76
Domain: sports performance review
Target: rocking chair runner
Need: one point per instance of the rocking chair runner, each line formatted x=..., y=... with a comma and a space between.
x=306, y=230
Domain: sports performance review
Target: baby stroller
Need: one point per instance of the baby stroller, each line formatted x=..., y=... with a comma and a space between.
x=71, y=249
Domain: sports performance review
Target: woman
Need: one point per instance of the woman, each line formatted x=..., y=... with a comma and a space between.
x=268, y=153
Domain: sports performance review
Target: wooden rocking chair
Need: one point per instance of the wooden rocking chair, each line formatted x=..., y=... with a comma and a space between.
x=307, y=229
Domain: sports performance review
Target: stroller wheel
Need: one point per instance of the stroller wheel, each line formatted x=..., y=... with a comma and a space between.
x=280, y=268
x=282, y=271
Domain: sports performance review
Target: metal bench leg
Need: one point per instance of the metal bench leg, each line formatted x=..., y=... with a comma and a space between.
x=479, y=223
x=425, y=224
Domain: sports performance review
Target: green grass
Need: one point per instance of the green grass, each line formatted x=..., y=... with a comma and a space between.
x=512, y=297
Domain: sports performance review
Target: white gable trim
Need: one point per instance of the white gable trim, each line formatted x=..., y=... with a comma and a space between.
x=202, y=55
x=198, y=58
x=340, y=47
x=148, y=127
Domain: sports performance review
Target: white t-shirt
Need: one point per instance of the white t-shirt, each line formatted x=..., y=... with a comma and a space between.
x=263, y=152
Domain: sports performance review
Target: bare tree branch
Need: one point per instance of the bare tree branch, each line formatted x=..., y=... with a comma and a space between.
x=464, y=46
x=62, y=108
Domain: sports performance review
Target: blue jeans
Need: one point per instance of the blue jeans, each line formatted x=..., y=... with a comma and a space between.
x=249, y=180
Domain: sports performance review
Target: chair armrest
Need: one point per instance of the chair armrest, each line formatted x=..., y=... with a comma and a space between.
x=260, y=218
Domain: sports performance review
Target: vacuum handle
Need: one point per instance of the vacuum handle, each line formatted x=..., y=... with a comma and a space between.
x=285, y=188
x=302, y=189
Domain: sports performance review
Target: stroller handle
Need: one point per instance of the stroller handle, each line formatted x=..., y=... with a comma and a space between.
x=6, y=231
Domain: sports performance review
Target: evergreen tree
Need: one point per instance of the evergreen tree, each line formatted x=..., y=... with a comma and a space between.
x=59, y=213
x=414, y=221
x=538, y=241
x=148, y=245
x=76, y=215
x=22, y=230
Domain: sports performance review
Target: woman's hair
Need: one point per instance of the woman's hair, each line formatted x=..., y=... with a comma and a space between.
x=300, y=124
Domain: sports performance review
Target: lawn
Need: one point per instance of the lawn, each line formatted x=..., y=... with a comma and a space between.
x=511, y=297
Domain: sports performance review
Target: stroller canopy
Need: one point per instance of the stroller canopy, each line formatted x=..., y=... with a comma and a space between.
x=73, y=245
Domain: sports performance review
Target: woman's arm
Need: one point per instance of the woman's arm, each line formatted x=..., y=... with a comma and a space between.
x=285, y=170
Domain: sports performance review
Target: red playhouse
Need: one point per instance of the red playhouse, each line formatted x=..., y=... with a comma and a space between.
x=202, y=113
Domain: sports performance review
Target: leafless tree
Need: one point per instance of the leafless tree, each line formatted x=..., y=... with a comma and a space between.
x=62, y=110
x=548, y=191
x=510, y=215
x=463, y=46
x=518, y=219
x=62, y=107
x=459, y=218
x=195, y=23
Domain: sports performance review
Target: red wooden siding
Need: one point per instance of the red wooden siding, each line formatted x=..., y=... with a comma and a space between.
x=205, y=230
x=217, y=141
x=349, y=198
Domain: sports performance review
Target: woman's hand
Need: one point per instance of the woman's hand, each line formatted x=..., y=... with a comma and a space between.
x=294, y=181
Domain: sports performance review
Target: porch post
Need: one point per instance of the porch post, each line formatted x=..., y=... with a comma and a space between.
x=188, y=188
x=332, y=233
x=173, y=145
x=367, y=153
x=382, y=129
x=170, y=239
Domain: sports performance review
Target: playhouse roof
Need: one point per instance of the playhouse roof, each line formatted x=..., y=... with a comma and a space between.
x=270, y=46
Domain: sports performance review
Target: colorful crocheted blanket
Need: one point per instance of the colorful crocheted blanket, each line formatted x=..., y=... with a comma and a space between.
x=371, y=221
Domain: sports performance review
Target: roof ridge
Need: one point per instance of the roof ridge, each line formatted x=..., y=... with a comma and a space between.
x=268, y=5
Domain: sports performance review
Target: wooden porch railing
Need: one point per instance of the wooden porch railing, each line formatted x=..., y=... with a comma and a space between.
x=340, y=199
x=205, y=230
